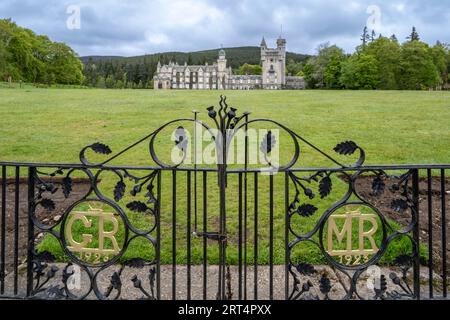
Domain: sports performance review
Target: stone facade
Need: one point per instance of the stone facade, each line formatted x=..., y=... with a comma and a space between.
x=220, y=77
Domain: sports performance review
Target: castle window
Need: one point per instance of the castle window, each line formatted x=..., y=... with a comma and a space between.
x=271, y=69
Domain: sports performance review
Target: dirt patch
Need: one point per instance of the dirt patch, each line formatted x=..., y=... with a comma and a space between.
x=20, y=223
x=383, y=203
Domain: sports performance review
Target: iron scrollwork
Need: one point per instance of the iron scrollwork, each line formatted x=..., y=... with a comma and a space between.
x=50, y=280
x=144, y=202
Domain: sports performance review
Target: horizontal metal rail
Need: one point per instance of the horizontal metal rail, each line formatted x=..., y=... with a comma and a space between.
x=303, y=169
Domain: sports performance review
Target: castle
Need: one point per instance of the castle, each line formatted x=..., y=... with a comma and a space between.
x=219, y=76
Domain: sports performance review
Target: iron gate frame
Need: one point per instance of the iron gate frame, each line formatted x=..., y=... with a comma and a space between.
x=227, y=124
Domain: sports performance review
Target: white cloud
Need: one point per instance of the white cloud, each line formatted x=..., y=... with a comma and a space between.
x=157, y=38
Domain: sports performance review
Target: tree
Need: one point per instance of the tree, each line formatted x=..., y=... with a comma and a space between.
x=318, y=74
x=360, y=71
x=414, y=36
x=440, y=58
x=308, y=74
x=189, y=60
x=394, y=38
x=110, y=82
x=373, y=36
x=332, y=71
x=293, y=67
x=365, y=36
x=418, y=70
x=387, y=52
x=29, y=57
x=62, y=62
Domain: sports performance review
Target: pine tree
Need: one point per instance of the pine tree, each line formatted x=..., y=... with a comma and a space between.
x=414, y=36
x=372, y=36
x=394, y=38
x=365, y=36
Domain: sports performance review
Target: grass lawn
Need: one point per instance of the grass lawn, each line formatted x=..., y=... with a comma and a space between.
x=393, y=127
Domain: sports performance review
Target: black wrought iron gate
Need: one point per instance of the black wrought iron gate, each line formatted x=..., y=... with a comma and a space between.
x=180, y=230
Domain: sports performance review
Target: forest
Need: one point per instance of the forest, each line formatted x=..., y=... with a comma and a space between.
x=378, y=63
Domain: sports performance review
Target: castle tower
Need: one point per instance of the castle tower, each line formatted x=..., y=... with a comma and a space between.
x=273, y=62
x=222, y=74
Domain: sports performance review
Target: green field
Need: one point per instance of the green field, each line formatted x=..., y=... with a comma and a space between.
x=393, y=127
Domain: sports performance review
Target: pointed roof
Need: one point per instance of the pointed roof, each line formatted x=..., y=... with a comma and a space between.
x=263, y=42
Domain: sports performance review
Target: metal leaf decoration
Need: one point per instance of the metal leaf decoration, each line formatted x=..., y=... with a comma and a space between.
x=306, y=210
x=48, y=204
x=346, y=148
x=325, y=187
x=44, y=256
x=306, y=269
x=399, y=205
x=378, y=186
x=67, y=186
x=268, y=143
x=137, y=263
x=137, y=206
x=119, y=190
x=325, y=284
x=403, y=260
x=55, y=292
x=101, y=148
x=116, y=283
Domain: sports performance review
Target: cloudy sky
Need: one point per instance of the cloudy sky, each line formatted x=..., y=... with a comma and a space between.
x=132, y=27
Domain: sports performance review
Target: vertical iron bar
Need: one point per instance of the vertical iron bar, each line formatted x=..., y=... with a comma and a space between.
x=415, y=182
x=205, y=230
x=255, y=256
x=16, y=230
x=3, y=232
x=240, y=237
x=444, y=234
x=245, y=206
x=31, y=175
x=195, y=172
x=174, y=235
x=286, y=236
x=188, y=234
x=271, y=238
x=430, y=233
x=158, y=240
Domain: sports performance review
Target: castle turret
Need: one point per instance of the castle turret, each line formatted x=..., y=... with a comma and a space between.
x=273, y=61
x=281, y=43
x=263, y=43
x=222, y=76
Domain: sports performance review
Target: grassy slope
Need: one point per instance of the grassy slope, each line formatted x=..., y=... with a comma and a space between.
x=392, y=127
